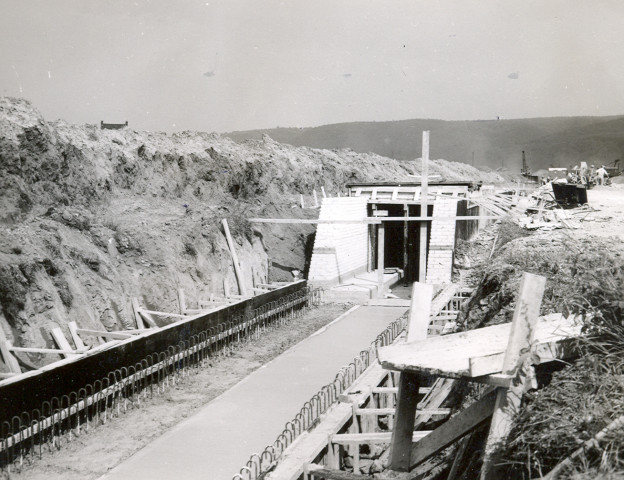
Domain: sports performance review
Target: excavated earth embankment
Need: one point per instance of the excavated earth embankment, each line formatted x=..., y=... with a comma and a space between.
x=91, y=218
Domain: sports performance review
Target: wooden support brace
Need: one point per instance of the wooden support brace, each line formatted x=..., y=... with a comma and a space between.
x=311, y=470
x=7, y=356
x=439, y=392
x=67, y=353
x=374, y=437
x=237, y=268
x=521, y=336
x=147, y=318
x=455, y=428
x=103, y=333
x=62, y=342
x=391, y=411
x=73, y=331
x=138, y=321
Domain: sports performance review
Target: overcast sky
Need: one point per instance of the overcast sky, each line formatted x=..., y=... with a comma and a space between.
x=221, y=65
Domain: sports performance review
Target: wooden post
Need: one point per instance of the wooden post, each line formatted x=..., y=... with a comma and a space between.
x=419, y=314
x=405, y=244
x=424, y=191
x=521, y=336
x=404, y=422
x=237, y=269
x=323, y=192
x=380, y=260
x=420, y=311
x=315, y=198
x=302, y=204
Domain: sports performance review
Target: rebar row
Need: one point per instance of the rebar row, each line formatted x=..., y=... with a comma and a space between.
x=310, y=413
x=61, y=419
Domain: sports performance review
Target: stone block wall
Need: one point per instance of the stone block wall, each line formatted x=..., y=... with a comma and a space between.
x=340, y=250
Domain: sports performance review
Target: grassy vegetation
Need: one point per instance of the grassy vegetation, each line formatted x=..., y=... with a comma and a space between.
x=584, y=277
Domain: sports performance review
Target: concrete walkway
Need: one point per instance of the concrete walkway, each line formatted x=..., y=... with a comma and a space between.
x=216, y=442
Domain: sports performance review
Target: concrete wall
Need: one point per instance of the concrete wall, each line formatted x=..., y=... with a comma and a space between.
x=340, y=250
x=442, y=241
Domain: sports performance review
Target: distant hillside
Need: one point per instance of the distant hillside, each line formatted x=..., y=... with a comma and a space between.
x=559, y=141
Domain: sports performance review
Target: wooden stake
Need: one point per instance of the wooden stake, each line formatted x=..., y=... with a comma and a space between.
x=237, y=269
x=302, y=204
x=420, y=311
x=521, y=336
x=424, y=191
x=323, y=192
x=380, y=260
x=315, y=198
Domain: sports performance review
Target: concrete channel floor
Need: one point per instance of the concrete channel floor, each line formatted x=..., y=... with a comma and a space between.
x=217, y=441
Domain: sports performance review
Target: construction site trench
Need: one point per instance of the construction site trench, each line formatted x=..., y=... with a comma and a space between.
x=184, y=305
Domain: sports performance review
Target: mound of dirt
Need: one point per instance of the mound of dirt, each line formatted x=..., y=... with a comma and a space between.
x=91, y=218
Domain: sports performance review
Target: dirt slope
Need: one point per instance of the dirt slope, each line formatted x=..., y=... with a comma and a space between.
x=90, y=218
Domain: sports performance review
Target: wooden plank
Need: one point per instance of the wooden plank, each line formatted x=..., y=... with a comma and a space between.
x=73, y=331
x=318, y=471
x=521, y=338
x=495, y=380
x=147, y=318
x=453, y=429
x=390, y=390
x=310, y=444
x=373, y=437
x=439, y=392
x=237, y=268
x=459, y=457
x=9, y=360
x=374, y=220
x=404, y=422
x=138, y=320
x=380, y=260
x=103, y=333
x=450, y=355
x=162, y=314
x=391, y=411
x=69, y=352
x=62, y=342
x=420, y=311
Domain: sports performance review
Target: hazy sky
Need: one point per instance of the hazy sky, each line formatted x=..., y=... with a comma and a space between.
x=220, y=65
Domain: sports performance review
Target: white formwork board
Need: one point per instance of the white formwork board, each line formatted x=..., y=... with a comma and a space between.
x=482, y=349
